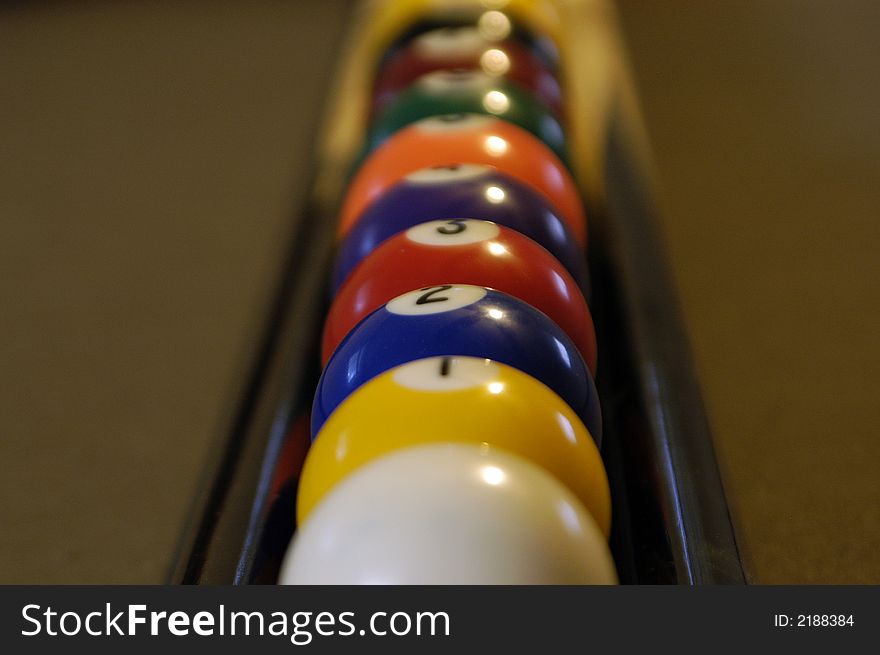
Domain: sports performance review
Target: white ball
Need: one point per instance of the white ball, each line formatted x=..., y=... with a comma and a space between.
x=449, y=514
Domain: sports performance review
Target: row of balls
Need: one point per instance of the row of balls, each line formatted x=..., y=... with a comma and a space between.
x=456, y=425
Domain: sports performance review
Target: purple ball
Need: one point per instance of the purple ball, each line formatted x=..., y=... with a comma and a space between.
x=461, y=191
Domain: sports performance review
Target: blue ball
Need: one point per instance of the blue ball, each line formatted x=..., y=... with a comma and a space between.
x=462, y=191
x=458, y=320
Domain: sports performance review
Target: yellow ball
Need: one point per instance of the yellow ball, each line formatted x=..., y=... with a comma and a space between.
x=457, y=399
x=392, y=18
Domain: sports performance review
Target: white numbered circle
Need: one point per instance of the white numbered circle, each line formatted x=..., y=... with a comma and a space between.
x=453, y=232
x=446, y=373
x=450, y=173
x=436, y=300
x=456, y=80
x=450, y=42
x=453, y=123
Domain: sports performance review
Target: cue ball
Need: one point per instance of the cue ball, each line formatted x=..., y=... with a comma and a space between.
x=469, y=139
x=460, y=399
x=462, y=251
x=449, y=514
x=459, y=319
x=454, y=191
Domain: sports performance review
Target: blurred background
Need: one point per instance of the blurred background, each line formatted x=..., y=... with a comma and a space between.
x=153, y=155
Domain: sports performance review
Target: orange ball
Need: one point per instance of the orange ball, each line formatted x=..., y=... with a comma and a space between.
x=466, y=139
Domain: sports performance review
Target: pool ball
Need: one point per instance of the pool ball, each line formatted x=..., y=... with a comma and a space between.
x=537, y=23
x=292, y=455
x=449, y=514
x=465, y=139
x=458, y=319
x=462, y=251
x=465, y=47
x=467, y=91
x=460, y=399
x=451, y=192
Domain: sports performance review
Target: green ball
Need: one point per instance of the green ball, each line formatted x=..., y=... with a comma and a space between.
x=472, y=92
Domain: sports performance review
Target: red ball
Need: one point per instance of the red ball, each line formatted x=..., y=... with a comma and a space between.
x=462, y=251
x=465, y=47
